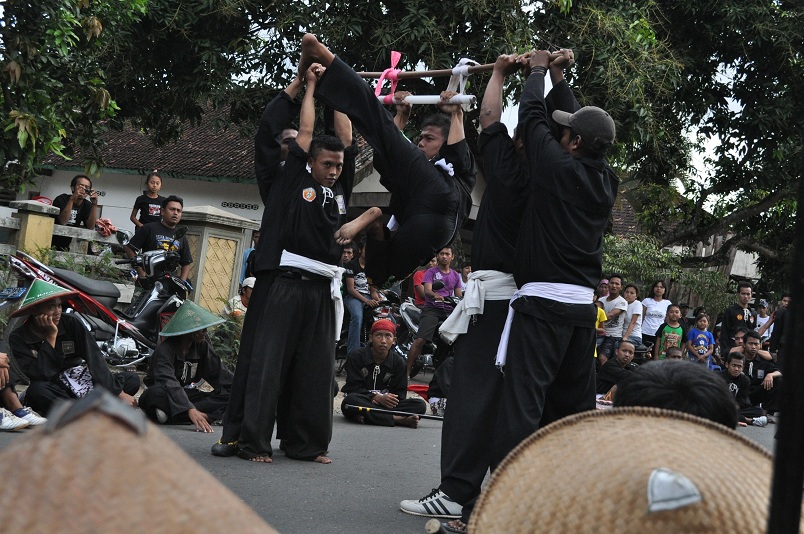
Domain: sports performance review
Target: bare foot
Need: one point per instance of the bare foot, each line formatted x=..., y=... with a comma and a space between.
x=411, y=421
x=262, y=459
x=457, y=525
x=313, y=51
x=322, y=460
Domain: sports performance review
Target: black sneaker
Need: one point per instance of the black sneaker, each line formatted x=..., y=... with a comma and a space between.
x=225, y=449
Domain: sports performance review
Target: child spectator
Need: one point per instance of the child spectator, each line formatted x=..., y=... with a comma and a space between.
x=601, y=319
x=632, y=327
x=701, y=343
x=149, y=204
x=376, y=378
x=670, y=333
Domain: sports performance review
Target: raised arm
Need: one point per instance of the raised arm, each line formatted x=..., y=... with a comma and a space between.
x=307, y=115
x=492, y=105
x=343, y=128
x=403, y=109
x=456, y=132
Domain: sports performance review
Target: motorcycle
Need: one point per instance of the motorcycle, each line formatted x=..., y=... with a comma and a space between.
x=126, y=338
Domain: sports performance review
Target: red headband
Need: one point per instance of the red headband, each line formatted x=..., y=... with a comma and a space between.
x=384, y=324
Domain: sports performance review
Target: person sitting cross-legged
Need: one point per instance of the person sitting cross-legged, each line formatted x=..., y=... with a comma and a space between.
x=376, y=377
x=738, y=385
x=616, y=369
x=178, y=364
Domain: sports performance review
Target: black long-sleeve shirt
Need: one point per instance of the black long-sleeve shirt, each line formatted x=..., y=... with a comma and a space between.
x=570, y=202
x=363, y=375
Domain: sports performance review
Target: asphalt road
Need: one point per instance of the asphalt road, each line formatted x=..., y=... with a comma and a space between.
x=373, y=469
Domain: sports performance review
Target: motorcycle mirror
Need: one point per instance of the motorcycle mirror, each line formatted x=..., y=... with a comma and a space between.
x=180, y=232
x=123, y=237
x=438, y=284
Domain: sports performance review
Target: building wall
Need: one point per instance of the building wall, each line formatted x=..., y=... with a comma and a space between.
x=120, y=191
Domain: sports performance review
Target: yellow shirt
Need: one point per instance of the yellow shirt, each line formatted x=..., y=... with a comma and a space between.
x=601, y=318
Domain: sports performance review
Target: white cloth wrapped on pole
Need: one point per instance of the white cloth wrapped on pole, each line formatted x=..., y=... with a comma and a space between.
x=481, y=286
x=566, y=293
x=333, y=272
x=435, y=99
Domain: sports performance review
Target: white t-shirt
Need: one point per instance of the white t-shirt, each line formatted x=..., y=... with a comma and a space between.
x=761, y=321
x=635, y=308
x=655, y=313
x=614, y=326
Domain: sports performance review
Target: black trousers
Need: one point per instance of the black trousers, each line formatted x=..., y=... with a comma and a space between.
x=41, y=396
x=212, y=403
x=430, y=202
x=291, y=351
x=416, y=406
x=474, y=400
x=768, y=397
x=549, y=374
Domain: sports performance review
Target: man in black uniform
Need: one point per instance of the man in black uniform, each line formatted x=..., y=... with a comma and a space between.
x=160, y=235
x=295, y=346
x=431, y=185
x=548, y=357
x=616, y=369
x=467, y=436
x=735, y=316
x=78, y=209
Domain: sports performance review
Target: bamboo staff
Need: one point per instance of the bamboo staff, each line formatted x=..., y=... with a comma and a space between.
x=393, y=412
x=429, y=73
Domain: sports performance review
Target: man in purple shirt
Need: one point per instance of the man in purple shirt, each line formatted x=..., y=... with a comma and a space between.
x=435, y=310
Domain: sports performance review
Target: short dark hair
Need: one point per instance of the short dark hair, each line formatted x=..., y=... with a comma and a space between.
x=440, y=121
x=466, y=264
x=172, y=198
x=635, y=289
x=588, y=149
x=744, y=284
x=674, y=350
x=671, y=385
x=753, y=334
x=452, y=250
x=673, y=306
x=325, y=142
x=77, y=176
x=620, y=343
x=616, y=275
x=735, y=356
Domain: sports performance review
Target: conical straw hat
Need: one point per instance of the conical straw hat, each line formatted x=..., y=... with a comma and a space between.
x=190, y=317
x=98, y=465
x=629, y=470
x=39, y=292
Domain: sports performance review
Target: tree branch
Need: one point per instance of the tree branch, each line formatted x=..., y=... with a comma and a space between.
x=721, y=255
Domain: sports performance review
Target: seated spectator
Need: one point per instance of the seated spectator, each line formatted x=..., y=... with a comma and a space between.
x=738, y=384
x=348, y=253
x=682, y=387
x=674, y=353
x=358, y=295
x=238, y=305
x=701, y=343
x=180, y=362
x=13, y=416
x=58, y=354
x=376, y=377
x=466, y=270
x=616, y=369
x=418, y=285
x=78, y=209
x=739, y=348
x=671, y=333
x=766, y=379
x=600, y=332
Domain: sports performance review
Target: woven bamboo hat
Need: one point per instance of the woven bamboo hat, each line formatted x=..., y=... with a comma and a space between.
x=97, y=465
x=190, y=317
x=39, y=292
x=629, y=470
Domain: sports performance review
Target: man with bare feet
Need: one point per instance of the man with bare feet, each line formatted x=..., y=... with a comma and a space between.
x=376, y=378
x=292, y=349
x=430, y=184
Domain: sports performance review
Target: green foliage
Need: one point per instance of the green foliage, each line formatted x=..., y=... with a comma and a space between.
x=225, y=340
x=52, y=81
x=100, y=267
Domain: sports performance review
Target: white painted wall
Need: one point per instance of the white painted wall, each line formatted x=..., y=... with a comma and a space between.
x=121, y=190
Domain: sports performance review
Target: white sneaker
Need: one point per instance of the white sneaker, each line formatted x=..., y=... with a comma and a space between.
x=33, y=418
x=436, y=504
x=9, y=421
x=760, y=421
x=161, y=416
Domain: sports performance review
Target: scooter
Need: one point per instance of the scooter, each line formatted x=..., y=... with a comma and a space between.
x=126, y=338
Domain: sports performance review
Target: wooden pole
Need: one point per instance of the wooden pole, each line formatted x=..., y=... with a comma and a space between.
x=393, y=412
x=429, y=73
x=788, y=468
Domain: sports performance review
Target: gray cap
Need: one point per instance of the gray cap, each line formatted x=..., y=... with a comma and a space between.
x=594, y=125
x=763, y=303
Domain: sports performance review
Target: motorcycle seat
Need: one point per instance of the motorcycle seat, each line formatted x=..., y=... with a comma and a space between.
x=95, y=288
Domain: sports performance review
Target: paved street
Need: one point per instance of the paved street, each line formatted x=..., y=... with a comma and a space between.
x=373, y=469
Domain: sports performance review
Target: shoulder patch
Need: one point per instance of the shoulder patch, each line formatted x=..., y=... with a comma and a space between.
x=308, y=194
